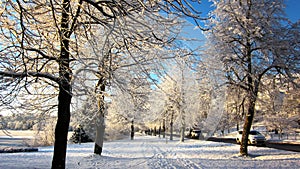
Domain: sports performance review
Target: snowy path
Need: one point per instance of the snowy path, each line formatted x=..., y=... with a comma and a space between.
x=143, y=152
x=151, y=152
x=147, y=152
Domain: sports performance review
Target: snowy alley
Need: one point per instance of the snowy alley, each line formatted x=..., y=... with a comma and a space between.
x=148, y=152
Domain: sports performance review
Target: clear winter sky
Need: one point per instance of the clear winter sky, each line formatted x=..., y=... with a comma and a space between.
x=292, y=8
x=292, y=11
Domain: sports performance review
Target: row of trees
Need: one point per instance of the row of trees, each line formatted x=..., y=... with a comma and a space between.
x=17, y=122
x=24, y=121
x=120, y=51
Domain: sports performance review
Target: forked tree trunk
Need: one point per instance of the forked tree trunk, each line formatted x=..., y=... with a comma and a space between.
x=64, y=96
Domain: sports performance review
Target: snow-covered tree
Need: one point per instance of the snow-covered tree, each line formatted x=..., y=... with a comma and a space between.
x=279, y=104
x=211, y=93
x=126, y=107
x=42, y=42
x=253, y=39
x=177, y=96
x=235, y=105
x=125, y=65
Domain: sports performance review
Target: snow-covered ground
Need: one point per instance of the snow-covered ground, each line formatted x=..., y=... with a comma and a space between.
x=149, y=152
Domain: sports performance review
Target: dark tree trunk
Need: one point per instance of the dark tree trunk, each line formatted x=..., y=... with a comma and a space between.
x=246, y=129
x=132, y=130
x=171, y=126
x=97, y=149
x=253, y=85
x=64, y=96
x=253, y=92
x=249, y=119
x=61, y=129
x=164, y=128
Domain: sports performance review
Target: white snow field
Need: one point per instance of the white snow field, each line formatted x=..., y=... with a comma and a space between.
x=149, y=152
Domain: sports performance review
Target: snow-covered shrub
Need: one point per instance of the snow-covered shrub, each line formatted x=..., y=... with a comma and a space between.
x=44, y=133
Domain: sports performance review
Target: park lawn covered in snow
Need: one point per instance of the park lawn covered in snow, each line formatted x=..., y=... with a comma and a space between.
x=153, y=152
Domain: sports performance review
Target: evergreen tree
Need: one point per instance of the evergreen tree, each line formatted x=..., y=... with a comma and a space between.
x=79, y=136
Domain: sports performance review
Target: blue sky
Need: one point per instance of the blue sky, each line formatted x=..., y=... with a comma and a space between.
x=292, y=11
x=292, y=8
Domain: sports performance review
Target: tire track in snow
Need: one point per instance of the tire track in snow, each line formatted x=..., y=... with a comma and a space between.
x=167, y=159
x=159, y=159
x=150, y=151
x=186, y=163
x=142, y=154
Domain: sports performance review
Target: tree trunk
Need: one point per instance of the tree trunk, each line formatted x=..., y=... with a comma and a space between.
x=182, y=133
x=164, y=128
x=61, y=129
x=171, y=131
x=171, y=126
x=100, y=130
x=64, y=96
x=100, y=124
x=246, y=129
x=249, y=117
x=132, y=130
x=182, y=114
